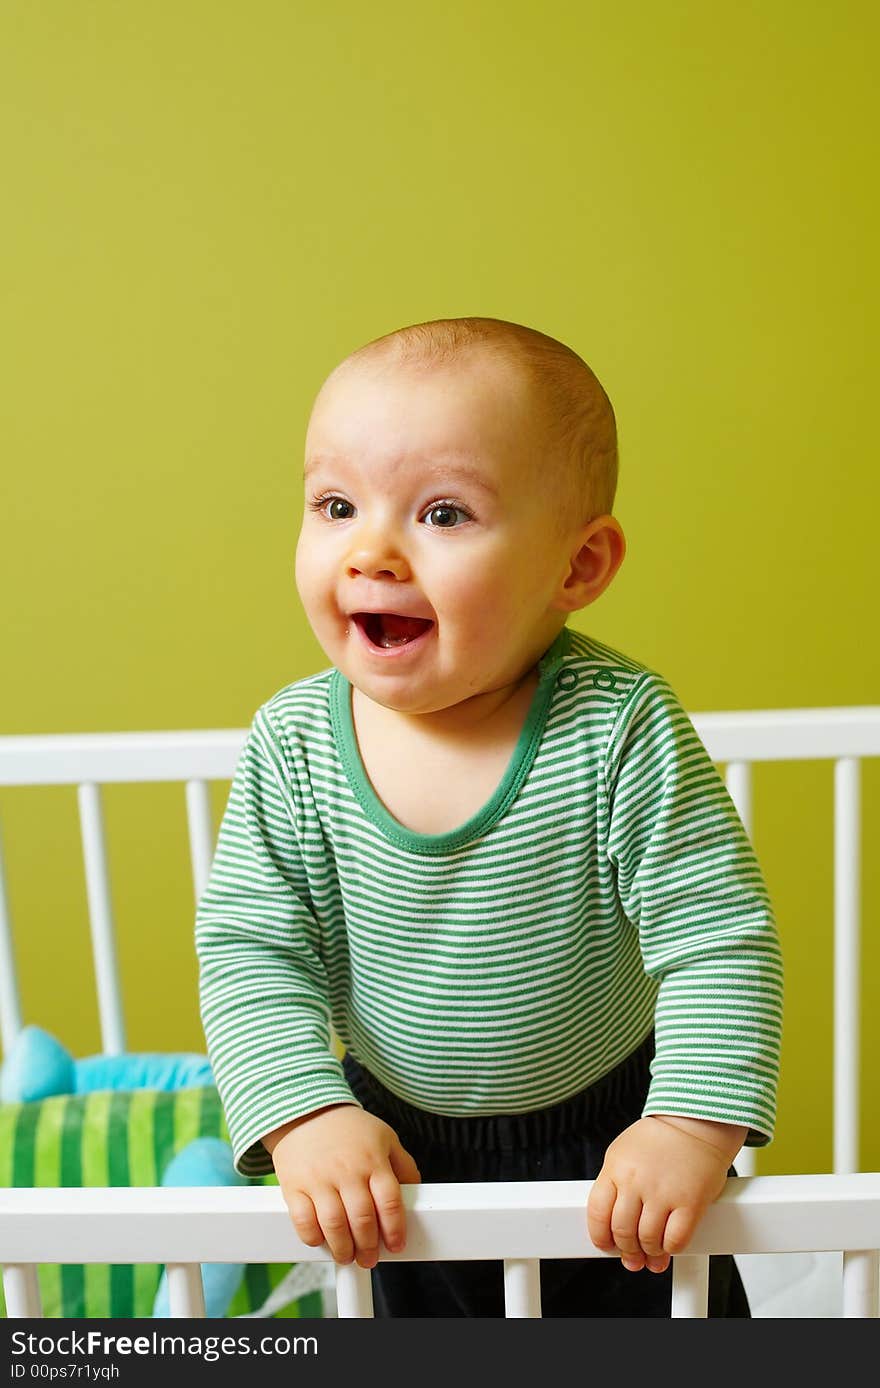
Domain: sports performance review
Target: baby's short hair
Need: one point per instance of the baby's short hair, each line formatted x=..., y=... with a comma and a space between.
x=578, y=414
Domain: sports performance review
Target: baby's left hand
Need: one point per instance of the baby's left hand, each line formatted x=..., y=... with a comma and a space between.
x=658, y=1178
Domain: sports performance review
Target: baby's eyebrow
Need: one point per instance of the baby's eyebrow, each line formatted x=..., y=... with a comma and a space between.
x=455, y=467
x=462, y=469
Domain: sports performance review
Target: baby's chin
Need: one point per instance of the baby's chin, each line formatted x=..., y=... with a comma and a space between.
x=455, y=713
x=404, y=696
x=399, y=702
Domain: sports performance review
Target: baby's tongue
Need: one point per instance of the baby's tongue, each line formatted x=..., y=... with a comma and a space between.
x=397, y=630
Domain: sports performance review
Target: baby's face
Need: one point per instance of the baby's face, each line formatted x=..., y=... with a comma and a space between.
x=423, y=499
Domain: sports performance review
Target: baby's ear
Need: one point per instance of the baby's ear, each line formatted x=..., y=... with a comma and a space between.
x=593, y=564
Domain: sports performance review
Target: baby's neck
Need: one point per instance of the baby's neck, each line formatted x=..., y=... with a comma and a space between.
x=473, y=719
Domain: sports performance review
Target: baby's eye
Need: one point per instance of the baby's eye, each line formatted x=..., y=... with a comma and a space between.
x=445, y=513
x=330, y=506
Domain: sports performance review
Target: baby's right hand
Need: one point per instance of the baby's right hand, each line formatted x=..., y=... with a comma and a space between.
x=340, y=1170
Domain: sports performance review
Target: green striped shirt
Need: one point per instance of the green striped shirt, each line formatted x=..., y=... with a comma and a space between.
x=607, y=886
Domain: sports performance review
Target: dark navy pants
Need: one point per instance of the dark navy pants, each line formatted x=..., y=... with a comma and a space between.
x=565, y=1142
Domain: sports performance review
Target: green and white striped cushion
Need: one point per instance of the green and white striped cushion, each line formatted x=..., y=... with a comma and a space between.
x=118, y=1138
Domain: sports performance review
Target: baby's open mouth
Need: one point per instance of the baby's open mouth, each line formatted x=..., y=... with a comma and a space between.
x=389, y=628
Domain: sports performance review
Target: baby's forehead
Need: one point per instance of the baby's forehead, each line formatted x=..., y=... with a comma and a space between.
x=481, y=386
x=476, y=361
x=476, y=412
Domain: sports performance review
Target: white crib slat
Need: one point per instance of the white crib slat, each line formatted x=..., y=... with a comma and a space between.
x=738, y=779
x=101, y=919
x=22, y=1291
x=201, y=833
x=847, y=829
x=186, y=1297
x=10, y=1003
x=861, y=1283
x=690, y=1285
x=354, y=1291
x=522, y=1287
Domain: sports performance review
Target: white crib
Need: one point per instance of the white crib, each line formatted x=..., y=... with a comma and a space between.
x=519, y=1223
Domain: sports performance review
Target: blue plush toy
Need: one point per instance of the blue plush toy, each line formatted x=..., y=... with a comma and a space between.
x=37, y=1066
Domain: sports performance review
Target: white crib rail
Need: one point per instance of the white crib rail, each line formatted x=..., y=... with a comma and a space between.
x=518, y=1222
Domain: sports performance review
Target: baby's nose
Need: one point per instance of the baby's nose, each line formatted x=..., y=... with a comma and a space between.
x=374, y=560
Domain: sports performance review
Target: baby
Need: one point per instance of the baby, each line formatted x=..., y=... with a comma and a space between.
x=489, y=850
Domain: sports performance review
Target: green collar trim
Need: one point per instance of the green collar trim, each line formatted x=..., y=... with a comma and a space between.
x=518, y=767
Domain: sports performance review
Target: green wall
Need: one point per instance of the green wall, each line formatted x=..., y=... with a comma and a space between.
x=207, y=205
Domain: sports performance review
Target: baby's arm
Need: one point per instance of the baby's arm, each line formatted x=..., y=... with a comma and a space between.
x=688, y=880
x=657, y=1180
x=340, y=1170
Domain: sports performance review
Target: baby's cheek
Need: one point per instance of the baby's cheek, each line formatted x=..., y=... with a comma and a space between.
x=494, y=610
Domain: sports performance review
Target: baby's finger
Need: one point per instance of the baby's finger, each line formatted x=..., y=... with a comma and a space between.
x=334, y=1222
x=403, y=1165
x=651, y=1229
x=599, y=1207
x=625, y=1225
x=304, y=1219
x=388, y=1202
x=652, y=1225
x=361, y=1213
x=679, y=1229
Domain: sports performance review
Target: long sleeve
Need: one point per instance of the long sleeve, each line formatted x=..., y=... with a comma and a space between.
x=262, y=982
x=689, y=880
